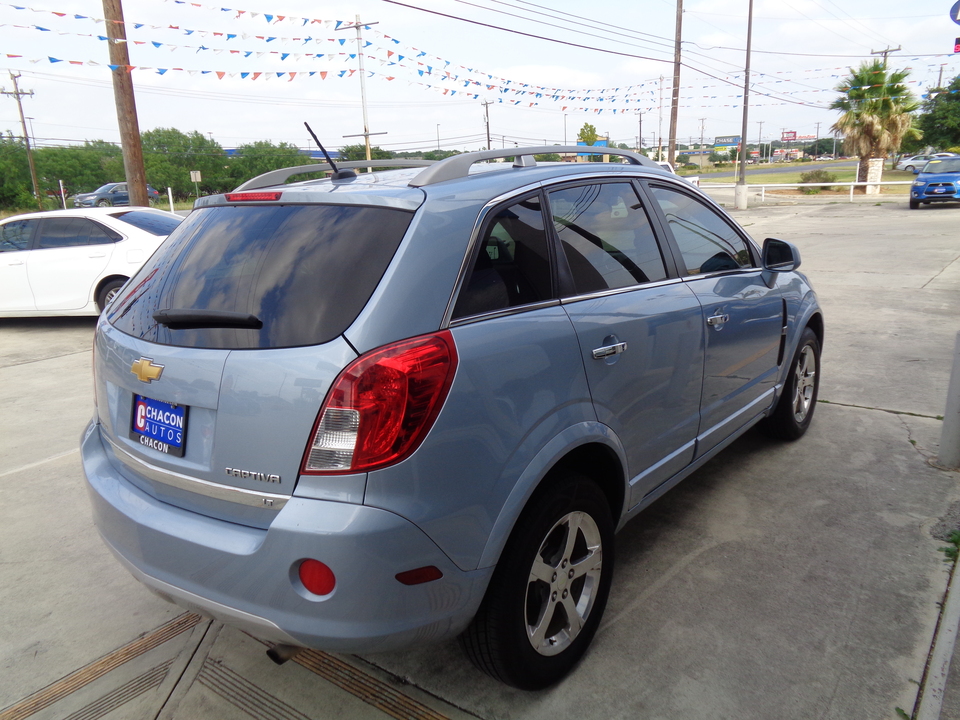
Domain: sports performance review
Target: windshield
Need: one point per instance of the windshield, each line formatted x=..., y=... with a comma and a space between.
x=105, y=188
x=942, y=165
x=303, y=272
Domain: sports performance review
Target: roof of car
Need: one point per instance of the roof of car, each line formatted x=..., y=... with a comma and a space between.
x=91, y=212
x=404, y=188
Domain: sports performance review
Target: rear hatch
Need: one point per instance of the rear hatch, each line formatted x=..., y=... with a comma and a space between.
x=213, y=363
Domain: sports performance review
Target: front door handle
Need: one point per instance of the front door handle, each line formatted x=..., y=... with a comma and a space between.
x=608, y=350
x=717, y=321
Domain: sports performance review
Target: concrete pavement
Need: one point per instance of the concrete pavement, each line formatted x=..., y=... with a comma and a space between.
x=782, y=580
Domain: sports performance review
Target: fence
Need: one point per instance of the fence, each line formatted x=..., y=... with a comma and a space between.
x=763, y=187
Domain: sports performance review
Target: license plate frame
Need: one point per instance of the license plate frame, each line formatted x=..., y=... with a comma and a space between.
x=159, y=425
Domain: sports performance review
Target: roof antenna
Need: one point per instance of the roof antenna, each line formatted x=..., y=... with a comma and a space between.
x=337, y=174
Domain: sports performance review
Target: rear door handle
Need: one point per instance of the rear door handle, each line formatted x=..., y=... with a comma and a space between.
x=608, y=350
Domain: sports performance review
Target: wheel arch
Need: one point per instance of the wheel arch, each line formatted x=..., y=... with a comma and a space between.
x=590, y=449
x=104, y=281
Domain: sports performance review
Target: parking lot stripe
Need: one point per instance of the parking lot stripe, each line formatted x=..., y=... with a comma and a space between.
x=366, y=687
x=38, y=463
x=68, y=684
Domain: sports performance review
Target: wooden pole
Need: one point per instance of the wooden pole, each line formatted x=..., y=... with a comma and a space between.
x=675, y=97
x=126, y=105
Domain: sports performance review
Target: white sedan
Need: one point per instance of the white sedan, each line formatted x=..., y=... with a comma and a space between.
x=73, y=262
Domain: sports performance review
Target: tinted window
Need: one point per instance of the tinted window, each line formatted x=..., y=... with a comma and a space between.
x=707, y=242
x=606, y=237
x=304, y=271
x=16, y=234
x=153, y=223
x=512, y=267
x=70, y=232
x=942, y=165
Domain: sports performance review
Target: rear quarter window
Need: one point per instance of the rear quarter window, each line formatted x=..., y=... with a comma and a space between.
x=305, y=271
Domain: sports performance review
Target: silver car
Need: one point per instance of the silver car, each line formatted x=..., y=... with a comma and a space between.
x=388, y=409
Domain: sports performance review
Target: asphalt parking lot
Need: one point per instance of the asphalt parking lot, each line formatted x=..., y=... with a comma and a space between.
x=780, y=581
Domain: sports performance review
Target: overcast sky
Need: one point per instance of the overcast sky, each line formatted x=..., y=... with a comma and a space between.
x=218, y=71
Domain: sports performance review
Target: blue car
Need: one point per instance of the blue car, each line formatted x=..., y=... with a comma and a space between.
x=387, y=409
x=111, y=194
x=938, y=181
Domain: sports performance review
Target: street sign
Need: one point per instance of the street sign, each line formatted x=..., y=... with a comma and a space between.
x=727, y=141
x=195, y=176
x=956, y=45
x=955, y=13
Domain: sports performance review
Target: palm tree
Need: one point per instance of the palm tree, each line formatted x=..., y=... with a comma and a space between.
x=875, y=113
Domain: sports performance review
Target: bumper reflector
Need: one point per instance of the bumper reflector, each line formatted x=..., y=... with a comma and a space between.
x=420, y=575
x=317, y=577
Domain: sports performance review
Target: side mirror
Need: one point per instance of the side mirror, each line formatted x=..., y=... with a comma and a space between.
x=916, y=171
x=780, y=256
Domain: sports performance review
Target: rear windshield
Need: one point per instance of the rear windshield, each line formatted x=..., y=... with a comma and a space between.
x=153, y=223
x=305, y=271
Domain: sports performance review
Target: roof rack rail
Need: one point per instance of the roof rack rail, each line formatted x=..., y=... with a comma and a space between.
x=278, y=177
x=458, y=166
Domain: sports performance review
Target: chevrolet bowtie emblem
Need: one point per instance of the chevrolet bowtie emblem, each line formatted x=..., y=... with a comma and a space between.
x=145, y=370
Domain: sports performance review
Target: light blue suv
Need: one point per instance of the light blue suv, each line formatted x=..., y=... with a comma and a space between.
x=386, y=409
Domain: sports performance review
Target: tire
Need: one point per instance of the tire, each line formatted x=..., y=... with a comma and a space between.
x=909, y=168
x=549, y=590
x=103, y=203
x=108, y=292
x=794, y=411
x=914, y=204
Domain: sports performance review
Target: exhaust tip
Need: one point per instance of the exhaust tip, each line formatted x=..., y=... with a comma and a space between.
x=281, y=653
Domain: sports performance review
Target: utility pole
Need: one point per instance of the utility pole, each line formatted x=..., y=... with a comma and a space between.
x=760, y=141
x=17, y=94
x=660, y=124
x=675, y=98
x=363, y=85
x=816, y=142
x=702, y=121
x=885, y=53
x=486, y=113
x=126, y=103
x=740, y=192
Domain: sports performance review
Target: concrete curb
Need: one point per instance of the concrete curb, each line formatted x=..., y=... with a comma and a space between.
x=931, y=697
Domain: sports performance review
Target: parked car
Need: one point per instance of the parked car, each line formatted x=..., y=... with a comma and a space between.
x=913, y=162
x=938, y=181
x=72, y=262
x=383, y=410
x=111, y=194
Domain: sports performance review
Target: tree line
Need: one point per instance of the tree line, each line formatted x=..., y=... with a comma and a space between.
x=881, y=119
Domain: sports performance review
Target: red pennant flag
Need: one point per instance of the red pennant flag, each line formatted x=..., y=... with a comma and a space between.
x=292, y=76
x=256, y=75
x=220, y=74
x=323, y=74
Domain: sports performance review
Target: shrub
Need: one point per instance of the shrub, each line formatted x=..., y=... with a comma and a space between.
x=816, y=176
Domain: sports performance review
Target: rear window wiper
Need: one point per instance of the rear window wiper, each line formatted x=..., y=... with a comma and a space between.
x=191, y=319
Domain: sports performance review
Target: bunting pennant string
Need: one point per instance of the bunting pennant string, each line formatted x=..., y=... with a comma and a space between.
x=649, y=105
x=425, y=69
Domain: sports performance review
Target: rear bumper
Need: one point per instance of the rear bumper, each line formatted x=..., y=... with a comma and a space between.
x=247, y=576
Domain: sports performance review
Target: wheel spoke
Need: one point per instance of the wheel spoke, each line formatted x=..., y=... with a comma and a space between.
x=574, y=621
x=592, y=562
x=538, y=632
x=573, y=527
x=542, y=571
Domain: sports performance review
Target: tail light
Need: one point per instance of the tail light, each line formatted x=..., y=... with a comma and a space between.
x=381, y=406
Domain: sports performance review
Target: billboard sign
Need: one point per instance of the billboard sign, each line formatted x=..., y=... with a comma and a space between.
x=600, y=143
x=806, y=137
x=727, y=141
x=788, y=135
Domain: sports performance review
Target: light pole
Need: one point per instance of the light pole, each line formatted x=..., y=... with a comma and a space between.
x=438, y=137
